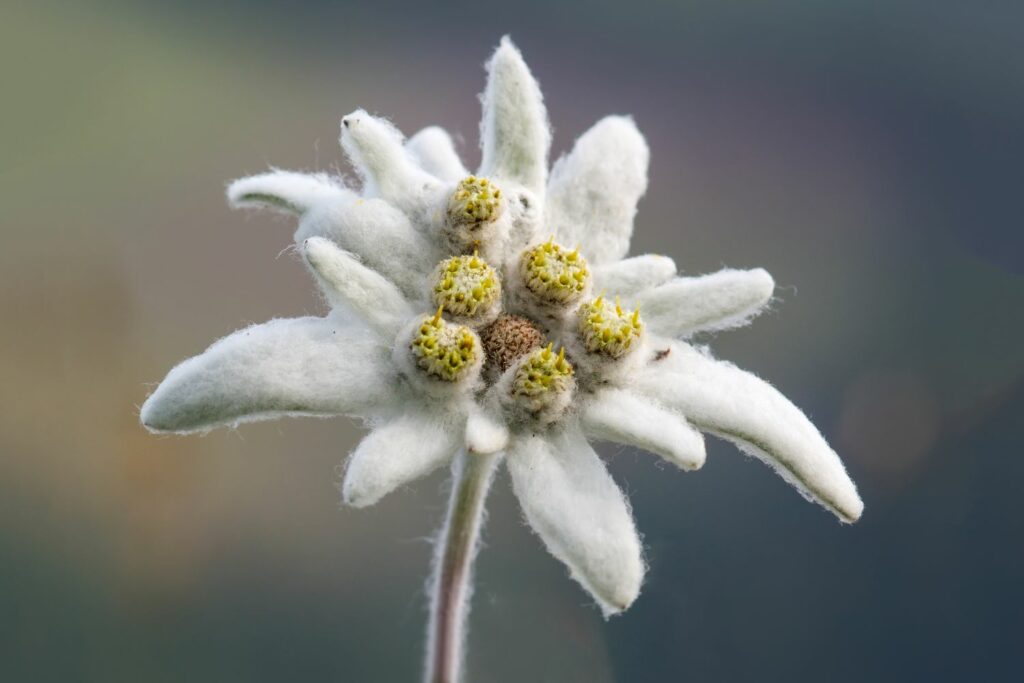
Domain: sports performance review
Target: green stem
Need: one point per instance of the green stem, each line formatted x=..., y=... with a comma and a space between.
x=453, y=566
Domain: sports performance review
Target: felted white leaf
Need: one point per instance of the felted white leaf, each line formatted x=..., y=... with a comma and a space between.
x=572, y=503
x=380, y=234
x=285, y=191
x=410, y=446
x=725, y=299
x=432, y=148
x=624, y=417
x=376, y=150
x=288, y=367
x=350, y=285
x=594, y=190
x=514, y=131
x=633, y=275
x=719, y=398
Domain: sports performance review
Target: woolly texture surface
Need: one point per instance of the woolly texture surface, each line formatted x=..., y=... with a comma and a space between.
x=284, y=191
x=486, y=432
x=514, y=131
x=376, y=150
x=432, y=148
x=571, y=502
x=728, y=298
x=299, y=366
x=624, y=417
x=378, y=233
x=349, y=284
x=632, y=275
x=408, y=447
x=719, y=398
x=593, y=191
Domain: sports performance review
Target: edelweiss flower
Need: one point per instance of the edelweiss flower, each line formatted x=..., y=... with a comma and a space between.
x=497, y=313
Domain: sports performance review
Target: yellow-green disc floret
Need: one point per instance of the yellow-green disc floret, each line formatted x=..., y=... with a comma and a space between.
x=607, y=329
x=543, y=373
x=448, y=352
x=466, y=286
x=474, y=201
x=554, y=274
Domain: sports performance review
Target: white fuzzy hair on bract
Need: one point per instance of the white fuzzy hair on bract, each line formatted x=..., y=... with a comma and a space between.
x=373, y=251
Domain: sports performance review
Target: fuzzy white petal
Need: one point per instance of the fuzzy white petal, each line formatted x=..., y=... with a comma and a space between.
x=594, y=190
x=633, y=275
x=486, y=432
x=514, y=133
x=728, y=298
x=380, y=234
x=376, y=150
x=432, y=148
x=719, y=398
x=624, y=417
x=298, y=366
x=284, y=191
x=351, y=285
x=410, y=446
x=572, y=503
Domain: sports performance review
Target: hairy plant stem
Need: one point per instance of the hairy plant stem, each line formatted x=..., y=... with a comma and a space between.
x=456, y=549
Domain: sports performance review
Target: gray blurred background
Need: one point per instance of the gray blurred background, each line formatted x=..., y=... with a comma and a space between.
x=867, y=154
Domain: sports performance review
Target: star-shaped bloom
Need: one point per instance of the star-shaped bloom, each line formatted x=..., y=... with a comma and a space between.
x=497, y=313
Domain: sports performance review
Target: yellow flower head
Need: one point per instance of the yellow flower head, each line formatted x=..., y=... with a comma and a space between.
x=554, y=274
x=474, y=201
x=466, y=286
x=543, y=372
x=607, y=329
x=447, y=352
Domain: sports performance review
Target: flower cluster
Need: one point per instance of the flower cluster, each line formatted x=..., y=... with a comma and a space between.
x=497, y=312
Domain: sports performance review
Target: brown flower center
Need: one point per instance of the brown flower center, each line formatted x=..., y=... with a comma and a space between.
x=507, y=339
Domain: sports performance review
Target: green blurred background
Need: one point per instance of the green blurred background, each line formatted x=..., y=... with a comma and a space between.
x=867, y=154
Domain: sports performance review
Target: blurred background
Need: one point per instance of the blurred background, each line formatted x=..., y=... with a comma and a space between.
x=867, y=154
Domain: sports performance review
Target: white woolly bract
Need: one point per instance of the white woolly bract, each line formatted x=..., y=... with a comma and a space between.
x=486, y=431
x=593, y=191
x=721, y=300
x=632, y=275
x=514, y=131
x=381, y=235
x=410, y=446
x=572, y=503
x=285, y=191
x=432, y=148
x=376, y=150
x=350, y=284
x=719, y=398
x=624, y=417
x=298, y=366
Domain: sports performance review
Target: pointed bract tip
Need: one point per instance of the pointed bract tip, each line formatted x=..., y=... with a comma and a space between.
x=851, y=511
